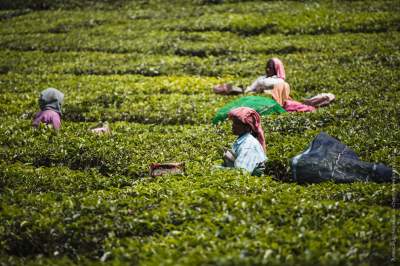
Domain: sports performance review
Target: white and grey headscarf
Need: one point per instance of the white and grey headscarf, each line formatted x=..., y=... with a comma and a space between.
x=51, y=99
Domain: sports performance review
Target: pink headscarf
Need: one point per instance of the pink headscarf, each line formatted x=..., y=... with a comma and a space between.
x=250, y=117
x=279, y=69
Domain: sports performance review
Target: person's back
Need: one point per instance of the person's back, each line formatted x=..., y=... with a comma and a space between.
x=248, y=152
x=50, y=102
x=48, y=117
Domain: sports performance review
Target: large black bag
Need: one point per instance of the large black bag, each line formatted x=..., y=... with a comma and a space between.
x=328, y=159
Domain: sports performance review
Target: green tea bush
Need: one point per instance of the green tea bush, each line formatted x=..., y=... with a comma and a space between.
x=148, y=68
x=46, y=4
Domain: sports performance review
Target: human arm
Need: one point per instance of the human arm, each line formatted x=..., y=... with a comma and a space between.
x=254, y=86
x=56, y=121
x=37, y=119
x=229, y=158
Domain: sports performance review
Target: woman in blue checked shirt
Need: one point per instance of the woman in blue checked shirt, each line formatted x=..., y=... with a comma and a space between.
x=248, y=151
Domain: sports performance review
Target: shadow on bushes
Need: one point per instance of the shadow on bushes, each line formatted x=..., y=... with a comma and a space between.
x=4, y=69
x=75, y=113
x=65, y=28
x=63, y=4
x=278, y=170
x=201, y=52
x=145, y=71
x=13, y=14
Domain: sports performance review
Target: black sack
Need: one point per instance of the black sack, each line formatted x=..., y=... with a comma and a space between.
x=328, y=159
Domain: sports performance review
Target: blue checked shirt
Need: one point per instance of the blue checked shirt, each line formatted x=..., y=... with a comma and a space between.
x=248, y=152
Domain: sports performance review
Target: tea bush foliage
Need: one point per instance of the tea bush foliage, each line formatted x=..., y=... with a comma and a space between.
x=148, y=68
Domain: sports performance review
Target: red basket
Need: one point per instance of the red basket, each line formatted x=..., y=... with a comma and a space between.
x=158, y=169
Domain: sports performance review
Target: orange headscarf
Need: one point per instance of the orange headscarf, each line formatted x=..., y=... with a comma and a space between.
x=250, y=117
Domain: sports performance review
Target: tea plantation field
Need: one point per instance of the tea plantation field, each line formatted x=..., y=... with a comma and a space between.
x=148, y=68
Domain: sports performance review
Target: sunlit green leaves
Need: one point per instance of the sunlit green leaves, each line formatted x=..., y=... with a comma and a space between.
x=148, y=68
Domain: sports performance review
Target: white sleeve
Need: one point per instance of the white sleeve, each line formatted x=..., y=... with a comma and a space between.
x=254, y=86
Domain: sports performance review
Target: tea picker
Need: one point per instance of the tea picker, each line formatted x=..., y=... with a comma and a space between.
x=274, y=84
x=248, y=151
x=274, y=74
x=50, y=101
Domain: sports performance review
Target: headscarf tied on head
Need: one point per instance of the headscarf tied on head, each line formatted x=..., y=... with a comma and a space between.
x=250, y=117
x=279, y=69
x=51, y=99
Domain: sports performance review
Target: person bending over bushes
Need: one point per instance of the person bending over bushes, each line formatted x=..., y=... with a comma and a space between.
x=50, y=102
x=275, y=74
x=248, y=151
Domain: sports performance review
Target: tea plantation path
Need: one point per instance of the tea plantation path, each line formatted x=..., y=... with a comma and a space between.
x=148, y=67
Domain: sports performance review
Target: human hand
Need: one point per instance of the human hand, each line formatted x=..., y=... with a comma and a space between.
x=229, y=158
